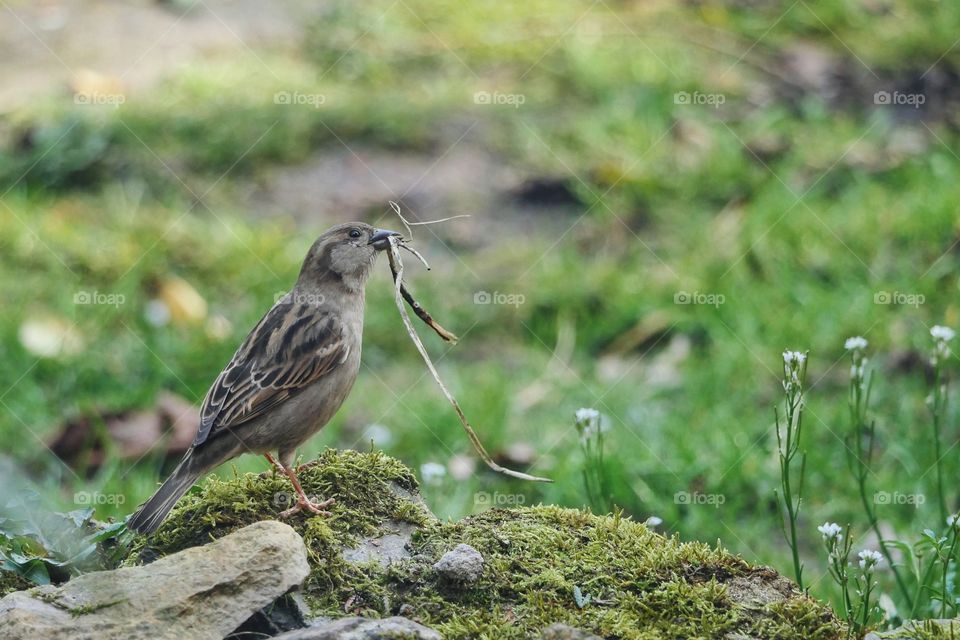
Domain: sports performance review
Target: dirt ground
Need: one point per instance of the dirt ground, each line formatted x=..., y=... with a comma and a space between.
x=47, y=44
x=48, y=47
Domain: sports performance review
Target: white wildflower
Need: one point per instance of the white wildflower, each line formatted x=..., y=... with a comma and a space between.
x=869, y=559
x=792, y=360
x=952, y=521
x=585, y=415
x=380, y=434
x=589, y=423
x=432, y=472
x=942, y=334
x=792, y=366
x=793, y=357
x=830, y=531
x=856, y=343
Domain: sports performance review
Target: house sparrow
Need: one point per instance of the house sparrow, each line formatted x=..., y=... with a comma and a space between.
x=289, y=376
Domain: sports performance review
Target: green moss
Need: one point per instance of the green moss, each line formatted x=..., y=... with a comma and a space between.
x=76, y=612
x=640, y=584
x=634, y=583
x=10, y=582
x=799, y=617
x=925, y=630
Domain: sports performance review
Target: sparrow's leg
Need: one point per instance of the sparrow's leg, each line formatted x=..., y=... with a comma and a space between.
x=303, y=502
x=276, y=465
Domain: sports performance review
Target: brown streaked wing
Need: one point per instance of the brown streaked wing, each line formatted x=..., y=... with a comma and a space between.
x=291, y=347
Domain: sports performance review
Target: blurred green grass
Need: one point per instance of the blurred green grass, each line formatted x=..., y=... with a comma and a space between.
x=797, y=211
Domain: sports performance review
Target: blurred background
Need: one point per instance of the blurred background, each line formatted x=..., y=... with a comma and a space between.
x=663, y=196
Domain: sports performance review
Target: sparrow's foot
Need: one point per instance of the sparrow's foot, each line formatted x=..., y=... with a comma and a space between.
x=304, y=504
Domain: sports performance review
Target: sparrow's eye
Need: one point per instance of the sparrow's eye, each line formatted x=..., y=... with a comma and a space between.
x=355, y=233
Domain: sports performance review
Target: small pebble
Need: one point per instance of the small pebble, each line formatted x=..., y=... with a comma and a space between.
x=463, y=565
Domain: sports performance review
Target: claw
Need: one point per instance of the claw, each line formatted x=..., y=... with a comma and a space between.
x=304, y=504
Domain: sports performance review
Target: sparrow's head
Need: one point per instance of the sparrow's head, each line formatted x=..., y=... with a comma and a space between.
x=344, y=254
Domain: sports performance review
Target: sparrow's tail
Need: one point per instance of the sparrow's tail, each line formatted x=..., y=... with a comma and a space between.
x=151, y=514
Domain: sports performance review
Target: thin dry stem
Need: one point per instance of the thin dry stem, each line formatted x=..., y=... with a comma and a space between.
x=408, y=224
x=422, y=313
x=396, y=266
x=406, y=246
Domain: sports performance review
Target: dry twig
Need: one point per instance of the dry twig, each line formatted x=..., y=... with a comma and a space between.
x=401, y=294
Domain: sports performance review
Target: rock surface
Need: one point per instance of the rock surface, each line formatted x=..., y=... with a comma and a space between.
x=383, y=554
x=355, y=628
x=201, y=592
x=529, y=572
x=563, y=632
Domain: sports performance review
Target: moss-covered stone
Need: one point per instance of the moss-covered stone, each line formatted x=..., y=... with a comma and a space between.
x=10, y=582
x=604, y=574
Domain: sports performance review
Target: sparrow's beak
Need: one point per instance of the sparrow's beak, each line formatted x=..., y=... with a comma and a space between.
x=381, y=238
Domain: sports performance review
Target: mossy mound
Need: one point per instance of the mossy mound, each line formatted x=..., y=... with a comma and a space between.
x=371, y=491
x=604, y=574
x=10, y=582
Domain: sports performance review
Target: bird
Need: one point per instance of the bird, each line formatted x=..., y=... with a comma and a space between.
x=289, y=376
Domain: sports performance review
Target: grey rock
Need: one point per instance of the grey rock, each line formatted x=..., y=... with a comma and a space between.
x=386, y=549
x=396, y=628
x=463, y=565
x=563, y=632
x=201, y=592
